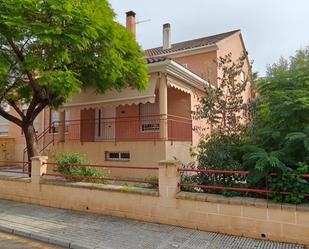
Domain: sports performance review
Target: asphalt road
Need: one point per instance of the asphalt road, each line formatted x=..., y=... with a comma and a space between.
x=9, y=241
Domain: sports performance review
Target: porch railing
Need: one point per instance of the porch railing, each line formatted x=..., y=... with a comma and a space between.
x=44, y=140
x=156, y=127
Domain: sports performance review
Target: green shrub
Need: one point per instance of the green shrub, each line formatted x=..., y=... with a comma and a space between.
x=222, y=152
x=275, y=138
x=152, y=179
x=291, y=182
x=147, y=185
x=190, y=179
x=69, y=158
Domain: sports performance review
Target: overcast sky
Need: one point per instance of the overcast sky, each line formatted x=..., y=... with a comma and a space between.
x=270, y=28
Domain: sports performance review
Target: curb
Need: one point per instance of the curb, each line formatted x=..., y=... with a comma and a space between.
x=41, y=238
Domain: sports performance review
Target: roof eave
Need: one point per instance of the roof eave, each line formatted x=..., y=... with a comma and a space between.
x=211, y=47
x=174, y=69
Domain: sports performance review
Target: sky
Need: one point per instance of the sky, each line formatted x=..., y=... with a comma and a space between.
x=270, y=28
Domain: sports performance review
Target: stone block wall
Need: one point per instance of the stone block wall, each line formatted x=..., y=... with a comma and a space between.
x=248, y=217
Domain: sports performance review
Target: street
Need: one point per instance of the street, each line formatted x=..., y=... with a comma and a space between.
x=9, y=241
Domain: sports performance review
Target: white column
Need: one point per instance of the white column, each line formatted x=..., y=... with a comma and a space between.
x=163, y=108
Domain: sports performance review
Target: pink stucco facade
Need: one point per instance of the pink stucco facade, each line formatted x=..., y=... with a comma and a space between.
x=202, y=63
x=83, y=124
x=182, y=131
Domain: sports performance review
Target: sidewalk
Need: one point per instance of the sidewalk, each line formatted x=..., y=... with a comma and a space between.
x=11, y=241
x=82, y=230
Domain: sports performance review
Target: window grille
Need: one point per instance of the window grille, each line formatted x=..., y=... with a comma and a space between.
x=149, y=117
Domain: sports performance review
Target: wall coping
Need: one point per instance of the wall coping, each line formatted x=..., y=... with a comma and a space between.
x=15, y=178
x=103, y=187
x=169, y=162
x=245, y=201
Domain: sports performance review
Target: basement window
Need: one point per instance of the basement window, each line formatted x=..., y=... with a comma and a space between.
x=117, y=156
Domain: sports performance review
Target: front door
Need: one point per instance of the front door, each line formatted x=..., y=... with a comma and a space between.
x=105, y=123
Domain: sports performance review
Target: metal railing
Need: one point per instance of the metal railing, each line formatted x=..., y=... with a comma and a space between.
x=44, y=140
x=14, y=168
x=243, y=188
x=96, y=178
x=130, y=128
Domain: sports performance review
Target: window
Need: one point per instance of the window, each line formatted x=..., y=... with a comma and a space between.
x=149, y=117
x=54, y=121
x=4, y=126
x=242, y=76
x=54, y=116
x=117, y=156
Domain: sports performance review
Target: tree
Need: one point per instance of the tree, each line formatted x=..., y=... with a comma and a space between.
x=51, y=49
x=281, y=65
x=278, y=140
x=281, y=124
x=223, y=108
x=298, y=61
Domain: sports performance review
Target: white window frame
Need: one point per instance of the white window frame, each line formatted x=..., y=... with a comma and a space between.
x=120, y=156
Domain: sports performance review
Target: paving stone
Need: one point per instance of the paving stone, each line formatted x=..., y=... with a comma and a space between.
x=79, y=230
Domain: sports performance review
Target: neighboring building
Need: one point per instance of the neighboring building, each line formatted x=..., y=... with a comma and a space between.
x=139, y=128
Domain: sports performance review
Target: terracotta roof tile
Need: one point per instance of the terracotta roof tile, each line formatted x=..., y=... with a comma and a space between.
x=150, y=60
x=205, y=41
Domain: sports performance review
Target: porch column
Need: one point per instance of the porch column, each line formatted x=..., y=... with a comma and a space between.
x=61, y=126
x=163, y=108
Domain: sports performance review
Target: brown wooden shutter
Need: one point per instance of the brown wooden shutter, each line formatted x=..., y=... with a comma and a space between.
x=87, y=126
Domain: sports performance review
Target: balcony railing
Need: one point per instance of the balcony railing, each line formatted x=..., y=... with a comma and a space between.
x=157, y=127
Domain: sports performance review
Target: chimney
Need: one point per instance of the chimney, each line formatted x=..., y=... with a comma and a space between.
x=131, y=24
x=167, y=36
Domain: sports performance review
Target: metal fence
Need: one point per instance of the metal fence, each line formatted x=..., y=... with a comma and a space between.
x=242, y=185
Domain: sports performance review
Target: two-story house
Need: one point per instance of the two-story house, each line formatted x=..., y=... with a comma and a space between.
x=140, y=128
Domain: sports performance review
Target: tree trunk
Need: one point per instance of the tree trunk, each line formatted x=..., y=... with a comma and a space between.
x=31, y=142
